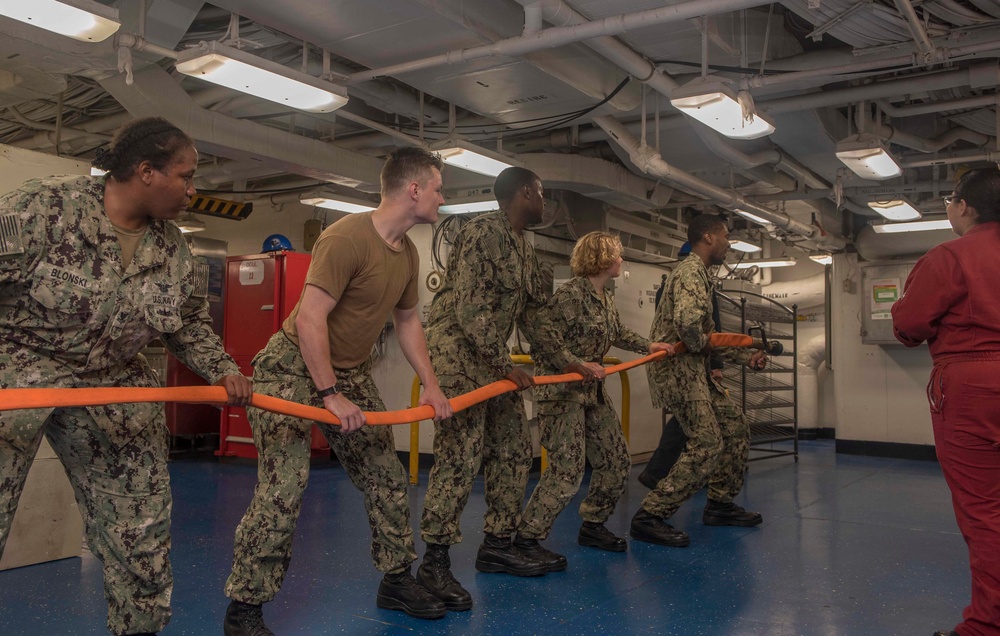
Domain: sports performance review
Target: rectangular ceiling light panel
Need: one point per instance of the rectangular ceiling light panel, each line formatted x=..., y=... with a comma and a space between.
x=82, y=20
x=241, y=71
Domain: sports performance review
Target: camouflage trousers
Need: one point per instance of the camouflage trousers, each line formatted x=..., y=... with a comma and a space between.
x=718, y=446
x=493, y=434
x=124, y=496
x=263, y=545
x=572, y=433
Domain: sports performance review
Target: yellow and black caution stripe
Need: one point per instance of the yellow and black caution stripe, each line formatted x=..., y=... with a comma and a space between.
x=220, y=207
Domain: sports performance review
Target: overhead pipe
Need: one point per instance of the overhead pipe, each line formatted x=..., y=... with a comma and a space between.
x=820, y=200
x=92, y=127
x=560, y=14
x=565, y=137
x=66, y=132
x=976, y=76
x=860, y=191
x=650, y=162
x=912, y=110
x=560, y=36
x=916, y=28
x=496, y=21
x=383, y=95
x=845, y=61
x=140, y=44
x=852, y=68
x=589, y=176
x=916, y=142
x=774, y=157
x=990, y=156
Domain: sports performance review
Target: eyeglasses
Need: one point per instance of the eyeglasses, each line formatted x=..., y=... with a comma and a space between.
x=951, y=198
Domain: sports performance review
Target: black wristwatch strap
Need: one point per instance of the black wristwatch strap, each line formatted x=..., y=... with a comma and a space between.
x=333, y=390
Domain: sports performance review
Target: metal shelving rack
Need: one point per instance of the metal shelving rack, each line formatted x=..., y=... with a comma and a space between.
x=768, y=398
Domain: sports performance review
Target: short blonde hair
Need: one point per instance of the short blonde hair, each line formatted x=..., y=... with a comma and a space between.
x=594, y=253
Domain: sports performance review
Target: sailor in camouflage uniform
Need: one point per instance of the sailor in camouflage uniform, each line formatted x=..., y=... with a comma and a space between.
x=493, y=282
x=577, y=421
x=717, y=432
x=672, y=438
x=76, y=306
x=364, y=269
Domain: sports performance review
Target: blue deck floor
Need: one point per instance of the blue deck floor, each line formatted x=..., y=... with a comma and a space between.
x=849, y=545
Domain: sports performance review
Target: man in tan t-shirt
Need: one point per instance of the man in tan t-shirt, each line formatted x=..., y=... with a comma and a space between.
x=364, y=269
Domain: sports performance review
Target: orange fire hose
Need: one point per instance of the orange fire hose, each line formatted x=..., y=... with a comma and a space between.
x=11, y=399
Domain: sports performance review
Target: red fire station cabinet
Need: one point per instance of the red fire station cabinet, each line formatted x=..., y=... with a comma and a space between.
x=261, y=290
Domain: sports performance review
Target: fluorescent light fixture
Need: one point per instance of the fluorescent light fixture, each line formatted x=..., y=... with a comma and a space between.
x=766, y=262
x=340, y=203
x=189, y=225
x=468, y=156
x=752, y=217
x=743, y=246
x=866, y=155
x=915, y=226
x=262, y=78
x=83, y=20
x=713, y=103
x=822, y=259
x=467, y=208
x=898, y=209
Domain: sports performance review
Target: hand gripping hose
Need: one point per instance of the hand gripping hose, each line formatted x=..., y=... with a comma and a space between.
x=11, y=399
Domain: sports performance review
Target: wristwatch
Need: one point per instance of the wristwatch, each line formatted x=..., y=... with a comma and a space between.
x=333, y=390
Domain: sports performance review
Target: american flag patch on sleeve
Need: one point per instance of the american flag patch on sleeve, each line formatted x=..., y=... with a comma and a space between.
x=11, y=242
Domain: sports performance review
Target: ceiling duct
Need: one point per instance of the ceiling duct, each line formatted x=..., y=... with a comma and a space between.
x=650, y=162
x=642, y=239
x=598, y=179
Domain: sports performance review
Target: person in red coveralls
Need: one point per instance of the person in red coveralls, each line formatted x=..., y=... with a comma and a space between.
x=951, y=301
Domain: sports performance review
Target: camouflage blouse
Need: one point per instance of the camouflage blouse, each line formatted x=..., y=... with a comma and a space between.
x=493, y=283
x=578, y=324
x=72, y=315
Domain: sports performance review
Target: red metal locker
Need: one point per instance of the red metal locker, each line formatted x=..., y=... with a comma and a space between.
x=261, y=290
x=189, y=420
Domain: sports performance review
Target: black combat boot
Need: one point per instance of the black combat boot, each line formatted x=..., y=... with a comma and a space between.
x=435, y=575
x=402, y=592
x=650, y=528
x=498, y=555
x=533, y=550
x=648, y=480
x=729, y=514
x=244, y=619
x=595, y=535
